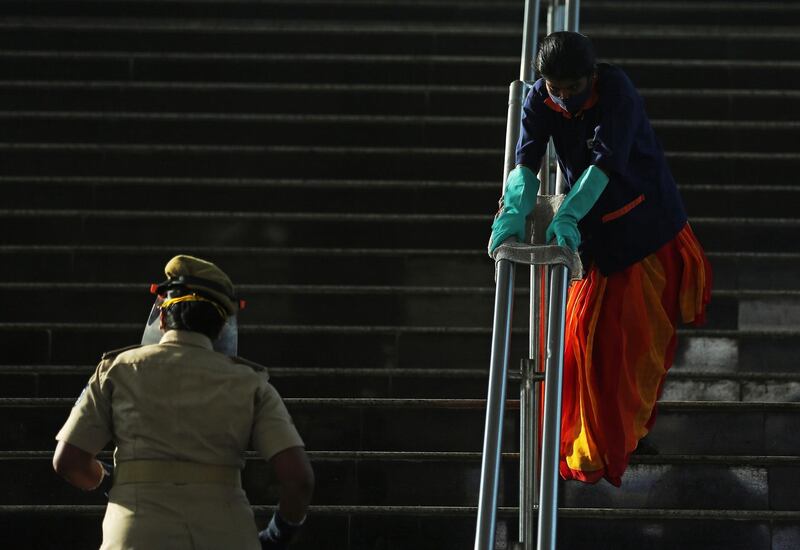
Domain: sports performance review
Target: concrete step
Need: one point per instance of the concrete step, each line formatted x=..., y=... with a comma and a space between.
x=685, y=385
x=313, y=229
x=321, y=195
x=360, y=305
x=255, y=35
x=453, y=528
x=237, y=97
x=722, y=103
x=713, y=12
x=354, y=130
x=348, y=196
x=264, y=129
x=394, y=425
x=323, y=69
x=452, y=479
x=365, y=99
x=281, y=265
x=386, y=346
x=682, y=384
x=441, y=11
x=300, y=229
x=279, y=161
x=367, y=266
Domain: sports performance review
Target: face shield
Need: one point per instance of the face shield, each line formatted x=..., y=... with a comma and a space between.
x=226, y=343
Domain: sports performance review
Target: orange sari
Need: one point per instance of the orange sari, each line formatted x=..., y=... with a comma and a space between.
x=620, y=342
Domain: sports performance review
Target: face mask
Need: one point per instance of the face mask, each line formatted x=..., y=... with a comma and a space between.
x=574, y=102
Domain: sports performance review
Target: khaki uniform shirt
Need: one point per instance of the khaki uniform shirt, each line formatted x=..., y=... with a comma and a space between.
x=179, y=400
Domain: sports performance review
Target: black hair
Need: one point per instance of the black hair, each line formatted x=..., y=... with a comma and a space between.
x=565, y=56
x=200, y=317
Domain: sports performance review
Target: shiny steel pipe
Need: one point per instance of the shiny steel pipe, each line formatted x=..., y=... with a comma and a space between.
x=495, y=406
x=530, y=39
x=572, y=10
x=516, y=91
x=551, y=430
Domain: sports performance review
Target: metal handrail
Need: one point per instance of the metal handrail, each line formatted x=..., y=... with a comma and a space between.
x=558, y=260
x=538, y=467
x=504, y=299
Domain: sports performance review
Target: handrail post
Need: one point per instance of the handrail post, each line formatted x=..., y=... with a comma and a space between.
x=538, y=466
x=528, y=396
x=553, y=178
x=487, y=503
x=516, y=91
x=551, y=432
x=529, y=411
x=572, y=11
x=495, y=406
x=559, y=264
x=530, y=38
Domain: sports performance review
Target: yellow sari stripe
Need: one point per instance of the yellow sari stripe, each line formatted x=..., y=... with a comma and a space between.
x=649, y=367
x=585, y=455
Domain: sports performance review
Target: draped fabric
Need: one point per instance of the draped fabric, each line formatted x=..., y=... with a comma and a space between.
x=620, y=343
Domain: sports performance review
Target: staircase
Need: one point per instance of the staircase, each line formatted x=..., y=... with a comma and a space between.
x=341, y=161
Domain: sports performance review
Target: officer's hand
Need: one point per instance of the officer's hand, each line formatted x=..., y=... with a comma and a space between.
x=278, y=533
x=108, y=476
x=565, y=231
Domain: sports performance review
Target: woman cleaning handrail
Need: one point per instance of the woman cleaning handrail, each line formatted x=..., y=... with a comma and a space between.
x=646, y=271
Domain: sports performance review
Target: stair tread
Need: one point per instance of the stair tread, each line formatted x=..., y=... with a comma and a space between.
x=260, y=25
x=285, y=372
x=468, y=456
x=266, y=182
x=772, y=333
x=444, y=511
x=349, y=150
x=335, y=216
x=325, y=251
x=390, y=58
x=357, y=289
x=442, y=403
x=382, y=119
x=597, y=5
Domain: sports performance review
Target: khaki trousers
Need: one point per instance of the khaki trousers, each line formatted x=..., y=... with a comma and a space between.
x=178, y=516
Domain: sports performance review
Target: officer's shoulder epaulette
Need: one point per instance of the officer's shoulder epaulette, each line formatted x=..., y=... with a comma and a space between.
x=253, y=365
x=114, y=352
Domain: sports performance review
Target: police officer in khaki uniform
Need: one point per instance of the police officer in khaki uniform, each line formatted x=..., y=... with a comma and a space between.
x=181, y=416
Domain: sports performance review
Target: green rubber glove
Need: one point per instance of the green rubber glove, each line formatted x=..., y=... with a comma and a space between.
x=519, y=199
x=580, y=199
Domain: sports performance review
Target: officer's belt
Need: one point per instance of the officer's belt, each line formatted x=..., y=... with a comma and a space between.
x=173, y=471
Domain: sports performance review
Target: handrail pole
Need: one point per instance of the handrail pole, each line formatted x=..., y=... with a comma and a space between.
x=551, y=432
x=554, y=182
x=527, y=462
x=530, y=421
x=528, y=399
x=572, y=10
x=495, y=406
x=516, y=96
x=517, y=89
x=541, y=307
x=530, y=38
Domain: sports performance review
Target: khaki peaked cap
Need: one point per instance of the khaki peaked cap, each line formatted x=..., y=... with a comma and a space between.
x=189, y=266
